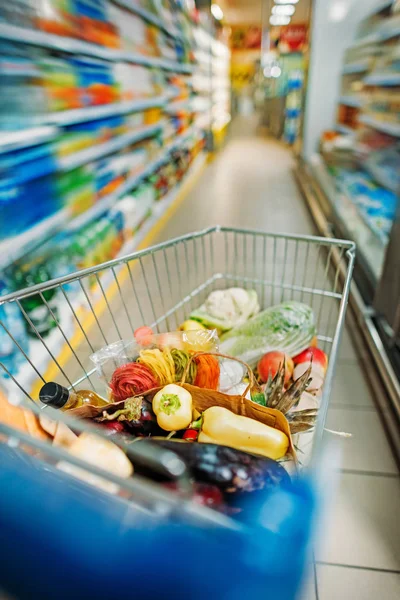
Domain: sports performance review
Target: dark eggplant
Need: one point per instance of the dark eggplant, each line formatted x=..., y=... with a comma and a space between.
x=137, y=417
x=233, y=471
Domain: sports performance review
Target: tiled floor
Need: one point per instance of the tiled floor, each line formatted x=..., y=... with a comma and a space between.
x=250, y=184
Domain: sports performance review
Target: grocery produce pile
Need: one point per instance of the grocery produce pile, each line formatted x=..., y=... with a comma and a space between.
x=226, y=392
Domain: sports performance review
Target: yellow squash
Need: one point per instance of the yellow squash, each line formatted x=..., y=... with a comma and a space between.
x=221, y=426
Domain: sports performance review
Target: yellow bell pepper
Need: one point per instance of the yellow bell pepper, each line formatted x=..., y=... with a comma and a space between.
x=221, y=426
x=173, y=407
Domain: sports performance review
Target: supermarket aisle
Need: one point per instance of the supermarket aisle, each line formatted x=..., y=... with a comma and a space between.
x=250, y=184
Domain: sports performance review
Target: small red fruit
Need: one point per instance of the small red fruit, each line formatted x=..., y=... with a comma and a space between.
x=144, y=335
x=271, y=362
x=191, y=435
x=316, y=355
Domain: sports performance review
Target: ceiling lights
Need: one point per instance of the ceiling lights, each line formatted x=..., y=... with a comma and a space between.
x=279, y=20
x=282, y=13
x=216, y=12
x=284, y=9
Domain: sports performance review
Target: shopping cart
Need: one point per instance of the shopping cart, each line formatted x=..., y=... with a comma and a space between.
x=159, y=287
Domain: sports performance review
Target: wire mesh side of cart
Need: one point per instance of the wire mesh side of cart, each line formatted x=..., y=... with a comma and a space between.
x=160, y=287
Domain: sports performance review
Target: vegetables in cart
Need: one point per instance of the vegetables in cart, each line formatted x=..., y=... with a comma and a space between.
x=160, y=363
x=270, y=364
x=131, y=379
x=136, y=413
x=225, y=309
x=131, y=367
x=221, y=426
x=319, y=364
x=192, y=433
x=230, y=469
x=288, y=327
x=208, y=370
x=276, y=397
x=191, y=325
x=181, y=359
x=173, y=407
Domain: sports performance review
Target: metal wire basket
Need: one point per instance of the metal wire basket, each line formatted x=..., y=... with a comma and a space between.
x=159, y=287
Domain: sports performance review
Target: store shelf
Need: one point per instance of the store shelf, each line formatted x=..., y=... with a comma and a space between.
x=371, y=38
x=26, y=376
x=350, y=101
x=392, y=129
x=388, y=32
x=345, y=129
x=147, y=16
x=72, y=46
x=383, y=79
x=24, y=138
x=67, y=163
x=380, y=176
x=13, y=248
x=92, y=113
x=354, y=68
x=34, y=37
x=108, y=202
x=351, y=223
x=380, y=235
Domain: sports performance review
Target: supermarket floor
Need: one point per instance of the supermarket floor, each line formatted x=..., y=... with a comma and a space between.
x=250, y=184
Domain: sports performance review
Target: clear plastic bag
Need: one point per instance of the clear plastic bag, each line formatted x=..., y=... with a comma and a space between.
x=125, y=352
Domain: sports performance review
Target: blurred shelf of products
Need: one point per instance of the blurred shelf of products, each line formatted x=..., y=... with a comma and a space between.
x=350, y=165
x=269, y=69
x=123, y=97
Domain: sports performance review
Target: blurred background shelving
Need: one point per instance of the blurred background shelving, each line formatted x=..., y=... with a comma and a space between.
x=350, y=163
x=124, y=95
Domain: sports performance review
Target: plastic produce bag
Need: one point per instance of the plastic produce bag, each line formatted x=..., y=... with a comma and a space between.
x=109, y=358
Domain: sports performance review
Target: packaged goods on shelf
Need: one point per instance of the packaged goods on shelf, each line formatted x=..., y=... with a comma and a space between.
x=76, y=86
x=384, y=105
x=135, y=209
x=28, y=190
x=41, y=316
x=132, y=28
x=77, y=82
x=20, y=77
x=77, y=188
x=11, y=318
x=83, y=19
x=377, y=205
x=18, y=13
x=135, y=81
x=79, y=136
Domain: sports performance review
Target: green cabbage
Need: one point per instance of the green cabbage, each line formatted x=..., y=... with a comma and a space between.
x=288, y=327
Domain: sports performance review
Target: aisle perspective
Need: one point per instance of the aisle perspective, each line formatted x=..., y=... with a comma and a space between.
x=349, y=173
x=178, y=387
